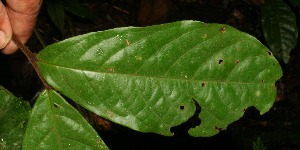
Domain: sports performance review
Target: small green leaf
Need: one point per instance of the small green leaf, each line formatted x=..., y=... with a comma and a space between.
x=55, y=9
x=148, y=78
x=14, y=114
x=280, y=28
x=54, y=124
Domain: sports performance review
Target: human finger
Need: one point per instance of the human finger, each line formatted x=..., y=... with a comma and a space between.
x=5, y=28
x=22, y=15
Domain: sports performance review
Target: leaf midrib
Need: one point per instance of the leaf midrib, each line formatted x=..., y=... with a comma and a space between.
x=156, y=77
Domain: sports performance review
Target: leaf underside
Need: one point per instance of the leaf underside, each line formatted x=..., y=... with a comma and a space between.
x=148, y=78
x=14, y=114
x=54, y=124
x=280, y=28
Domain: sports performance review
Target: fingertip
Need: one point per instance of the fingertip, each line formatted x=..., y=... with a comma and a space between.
x=10, y=48
x=6, y=45
x=2, y=40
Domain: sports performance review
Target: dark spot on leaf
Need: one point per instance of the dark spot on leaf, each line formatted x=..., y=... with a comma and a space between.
x=181, y=107
x=270, y=53
x=237, y=61
x=221, y=61
x=192, y=122
x=55, y=105
x=217, y=128
x=262, y=81
x=202, y=84
x=98, y=140
x=222, y=30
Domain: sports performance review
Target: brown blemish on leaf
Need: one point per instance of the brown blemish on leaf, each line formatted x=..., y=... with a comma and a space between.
x=98, y=140
x=203, y=84
x=127, y=42
x=237, y=61
x=111, y=69
x=110, y=114
x=222, y=30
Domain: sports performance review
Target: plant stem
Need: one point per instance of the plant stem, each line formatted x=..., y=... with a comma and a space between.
x=32, y=59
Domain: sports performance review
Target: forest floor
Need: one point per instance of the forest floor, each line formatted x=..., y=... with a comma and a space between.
x=277, y=129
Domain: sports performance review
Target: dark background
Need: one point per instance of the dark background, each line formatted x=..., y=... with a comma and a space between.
x=277, y=129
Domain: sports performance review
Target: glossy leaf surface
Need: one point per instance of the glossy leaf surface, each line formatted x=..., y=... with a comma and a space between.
x=54, y=124
x=280, y=28
x=150, y=79
x=14, y=114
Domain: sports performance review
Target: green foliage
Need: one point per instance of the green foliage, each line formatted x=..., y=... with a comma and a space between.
x=280, y=28
x=54, y=124
x=14, y=114
x=147, y=78
x=150, y=79
x=56, y=10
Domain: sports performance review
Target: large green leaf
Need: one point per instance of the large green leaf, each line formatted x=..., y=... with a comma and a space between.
x=148, y=78
x=14, y=114
x=280, y=28
x=54, y=124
